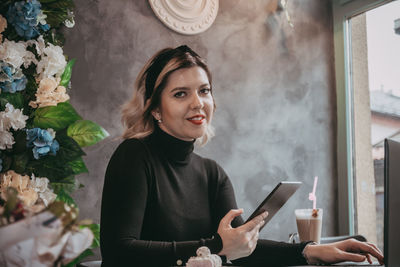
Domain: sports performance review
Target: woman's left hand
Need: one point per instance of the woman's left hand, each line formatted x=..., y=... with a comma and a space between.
x=346, y=250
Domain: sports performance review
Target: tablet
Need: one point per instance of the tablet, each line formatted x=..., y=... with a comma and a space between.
x=275, y=200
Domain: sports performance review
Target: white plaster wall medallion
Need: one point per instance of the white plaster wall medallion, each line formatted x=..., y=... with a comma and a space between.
x=186, y=16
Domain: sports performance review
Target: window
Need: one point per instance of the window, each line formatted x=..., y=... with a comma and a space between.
x=368, y=91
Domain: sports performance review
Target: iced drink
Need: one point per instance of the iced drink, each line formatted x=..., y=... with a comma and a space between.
x=309, y=224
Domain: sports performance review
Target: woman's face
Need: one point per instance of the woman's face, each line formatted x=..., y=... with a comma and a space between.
x=187, y=105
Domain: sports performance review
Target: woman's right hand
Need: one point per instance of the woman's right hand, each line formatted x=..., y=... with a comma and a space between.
x=241, y=241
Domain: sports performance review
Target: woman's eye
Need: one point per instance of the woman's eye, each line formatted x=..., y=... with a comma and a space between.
x=180, y=94
x=205, y=90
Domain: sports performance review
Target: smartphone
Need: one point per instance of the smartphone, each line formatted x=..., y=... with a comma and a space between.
x=275, y=200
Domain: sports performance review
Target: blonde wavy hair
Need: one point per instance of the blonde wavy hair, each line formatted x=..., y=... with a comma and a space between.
x=136, y=117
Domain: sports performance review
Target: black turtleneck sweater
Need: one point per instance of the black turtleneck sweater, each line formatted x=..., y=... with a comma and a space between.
x=161, y=202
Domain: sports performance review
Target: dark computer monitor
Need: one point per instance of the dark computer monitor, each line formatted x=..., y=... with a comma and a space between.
x=392, y=203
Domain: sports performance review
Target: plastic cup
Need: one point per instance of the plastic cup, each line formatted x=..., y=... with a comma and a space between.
x=309, y=224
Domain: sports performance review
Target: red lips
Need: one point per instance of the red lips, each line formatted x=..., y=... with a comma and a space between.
x=197, y=119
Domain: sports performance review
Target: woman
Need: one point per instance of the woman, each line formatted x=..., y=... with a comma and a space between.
x=161, y=201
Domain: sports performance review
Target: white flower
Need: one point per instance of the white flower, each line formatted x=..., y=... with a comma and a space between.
x=70, y=22
x=16, y=54
x=10, y=118
x=6, y=140
x=41, y=18
x=5, y=123
x=51, y=132
x=47, y=197
x=12, y=53
x=40, y=185
x=49, y=93
x=39, y=44
x=15, y=117
x=3, y=26
x=52, y=62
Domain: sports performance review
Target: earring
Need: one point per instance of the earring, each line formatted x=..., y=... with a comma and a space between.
x=159, y=118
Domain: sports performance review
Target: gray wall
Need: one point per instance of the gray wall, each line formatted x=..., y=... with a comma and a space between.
x=273, y=85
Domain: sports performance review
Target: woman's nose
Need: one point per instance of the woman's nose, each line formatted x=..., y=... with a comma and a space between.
x=197, y=102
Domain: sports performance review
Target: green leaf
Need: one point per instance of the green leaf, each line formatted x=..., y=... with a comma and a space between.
x=65, y=197
x=15, y=99
x=50, y=167
x=57, y=6
x=56, y=167
x=67, y=185
x=69, y=148
x=3, y=103
x=54, y=37
x=95, y=228
x=56, y=117
x=78, y=166
x=66, y=76
x=56, y=11
x=86, y=133
x=84, y=254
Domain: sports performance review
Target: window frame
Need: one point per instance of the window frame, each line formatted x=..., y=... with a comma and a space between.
x=343, y=10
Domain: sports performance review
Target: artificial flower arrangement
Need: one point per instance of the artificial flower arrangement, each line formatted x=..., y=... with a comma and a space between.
x=41, y=139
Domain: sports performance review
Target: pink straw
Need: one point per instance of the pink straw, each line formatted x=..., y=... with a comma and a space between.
x=312, y=195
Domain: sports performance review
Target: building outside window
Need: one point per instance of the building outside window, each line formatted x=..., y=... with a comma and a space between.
x=367, y=54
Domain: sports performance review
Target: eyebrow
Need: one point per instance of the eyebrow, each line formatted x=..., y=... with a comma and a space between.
x=187, y=88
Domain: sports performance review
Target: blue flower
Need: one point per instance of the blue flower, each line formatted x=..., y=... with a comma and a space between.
x=42, y=142
x=16, y=85
x=7, y=69
x=23, y=15
x=11, y=79
x=44, y=27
